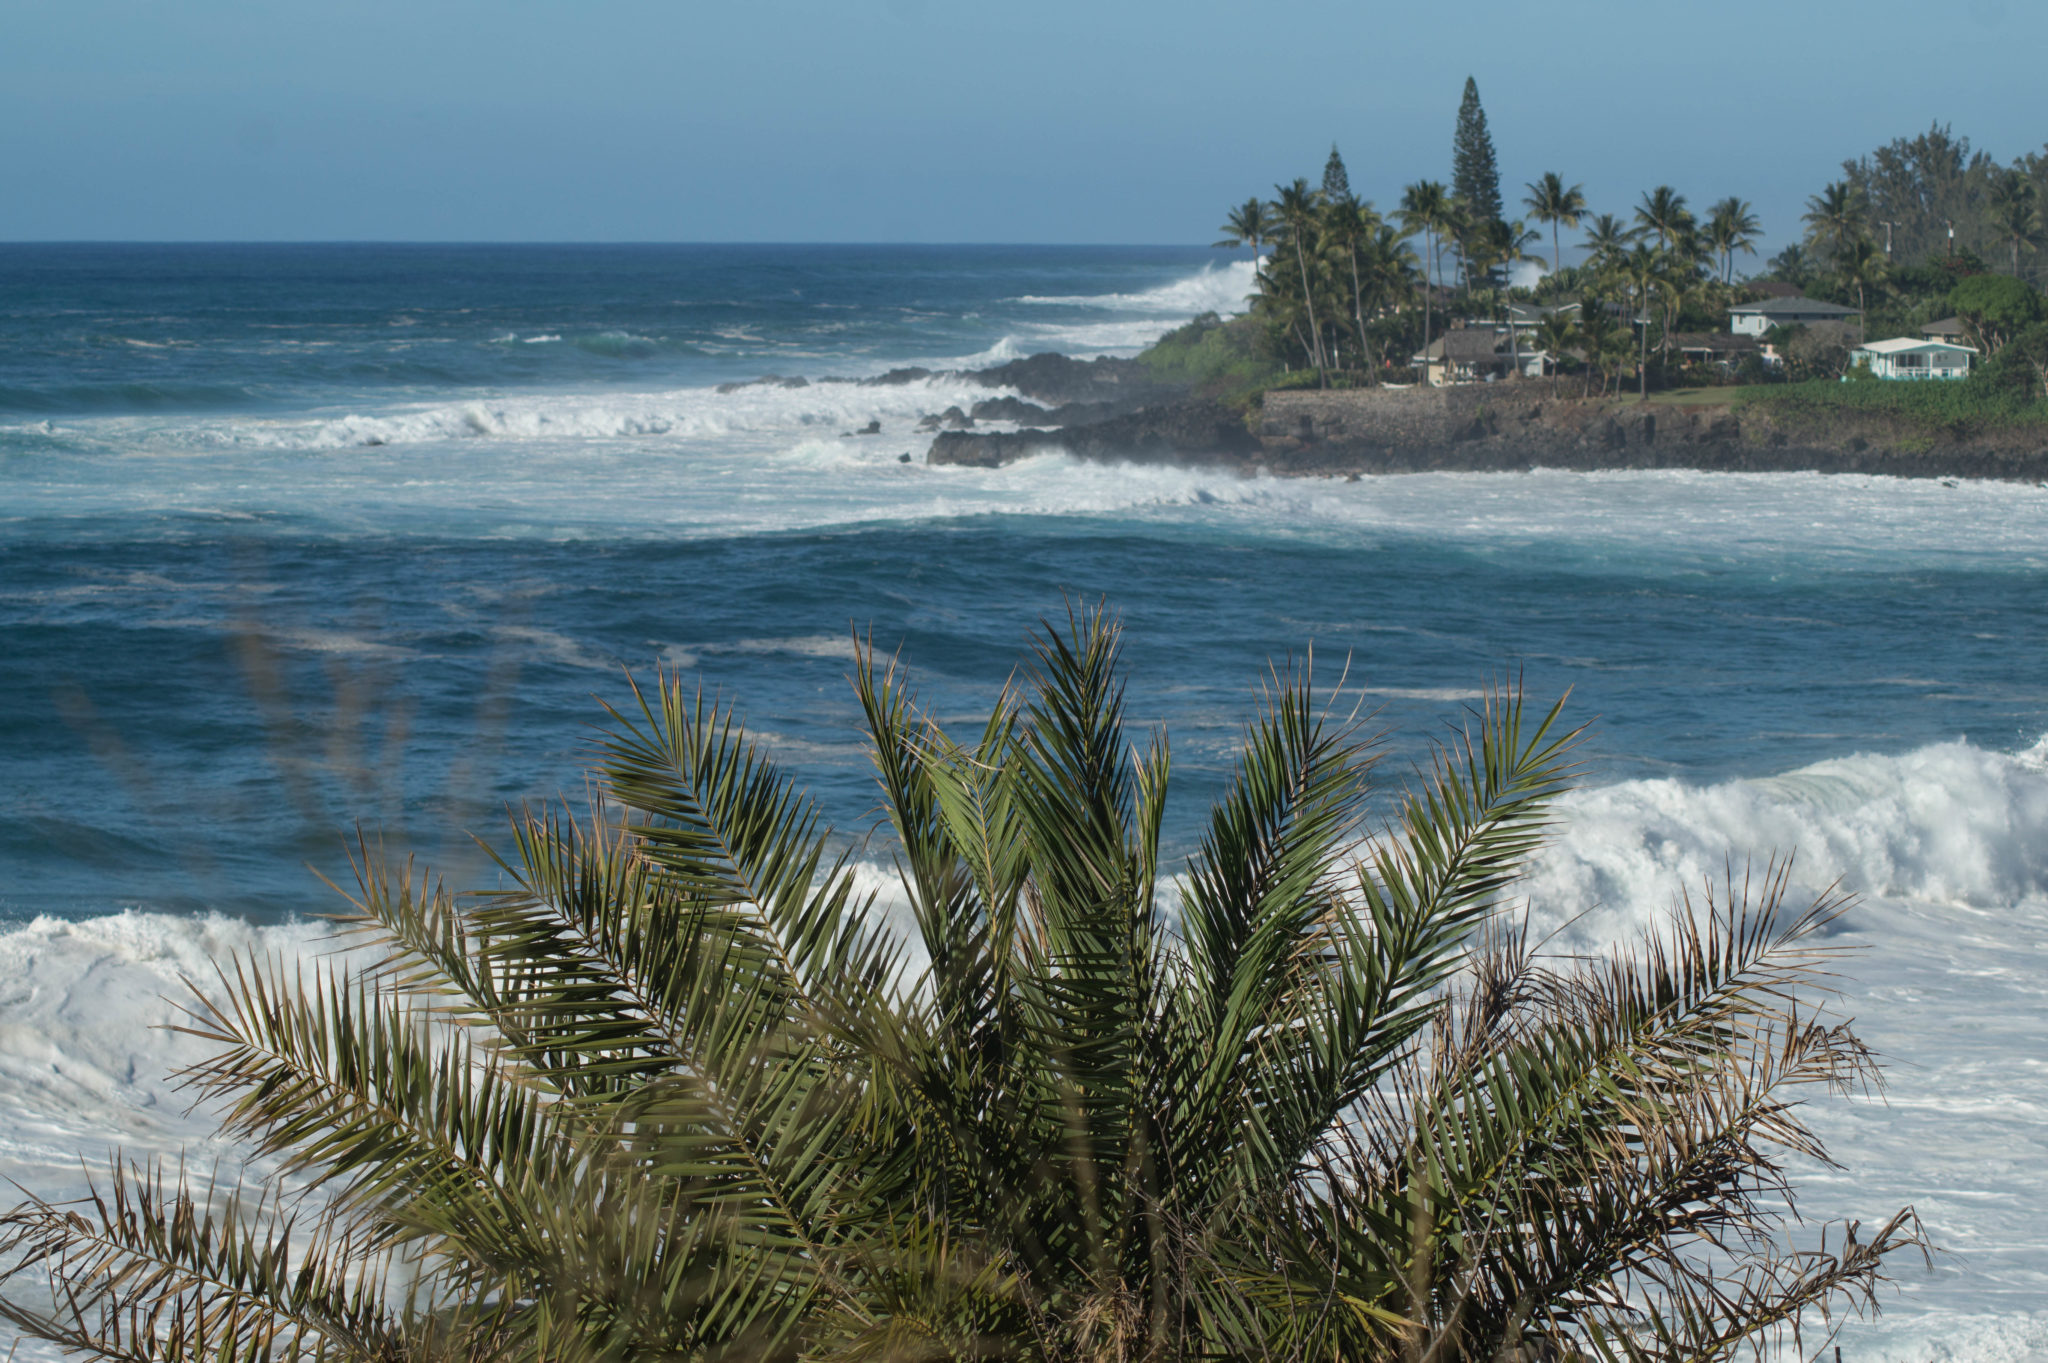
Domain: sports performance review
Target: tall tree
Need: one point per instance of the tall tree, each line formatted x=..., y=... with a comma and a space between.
x=1557, y=334
x=1426, y=208
x=1607, y=240
x=1249, y=224
x=1862, y=266
x=1644, y=270
x=1349, y=225
x=1663, y=212
x=2015, y=213
x=1475, y=178
x=1550, y=201
x=1336, y=183
x=1836, y=216
x=1296, y=209
x=1732, y=226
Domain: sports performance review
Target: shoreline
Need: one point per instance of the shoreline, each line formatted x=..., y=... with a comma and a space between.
x=1110, y=410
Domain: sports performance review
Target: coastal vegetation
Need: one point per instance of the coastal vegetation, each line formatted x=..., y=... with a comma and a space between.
x=679, y=1086
x=1349, y=294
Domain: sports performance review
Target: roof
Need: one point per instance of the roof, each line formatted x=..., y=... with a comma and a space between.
x=1465, y=345
x=1900, y=344
x=1795, y=307
x=1713, y=340
x=1533, y=312
x=1947, y=326
x=1774, y=288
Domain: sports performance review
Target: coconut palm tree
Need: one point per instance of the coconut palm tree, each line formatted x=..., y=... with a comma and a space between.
x=1606, y=345
x=1549, y=201
x=674, y=1089
x=2015, y=213
x=1732, y=226
x=1296, y=211
x=1663, y=213
x=1836, y=216
x=1607, y=239
x=1497, y=244
x=1862, y=264
x=1557, y=333
x=1349, y=225
x=1426, y=208
x=1643, y=268
x=1249, y=224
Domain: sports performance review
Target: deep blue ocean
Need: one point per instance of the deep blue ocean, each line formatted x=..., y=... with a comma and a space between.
x=295, y=539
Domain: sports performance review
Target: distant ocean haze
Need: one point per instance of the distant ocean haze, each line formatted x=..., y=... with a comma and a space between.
x=300, y=539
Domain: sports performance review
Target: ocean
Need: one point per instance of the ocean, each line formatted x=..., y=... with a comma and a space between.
x=301, y=539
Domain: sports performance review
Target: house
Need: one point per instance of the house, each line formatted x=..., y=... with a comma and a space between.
x=1773, y=288
x=1754, y=319
x=1528, y=316
x=1906, y=358
x=1713, y=347
x=1947, y=329
x=1465, y=355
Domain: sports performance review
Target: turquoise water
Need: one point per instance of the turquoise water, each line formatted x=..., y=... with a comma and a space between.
x=299, y=538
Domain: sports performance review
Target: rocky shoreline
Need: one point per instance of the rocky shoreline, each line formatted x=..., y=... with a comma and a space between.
x=1112, y=410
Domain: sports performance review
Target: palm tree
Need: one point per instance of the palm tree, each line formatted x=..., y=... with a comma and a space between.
x=1862, y=264
x=1296, y=212
x=1835, y=216
x=1551, y=202
x=1496, y=244
x=674, y=1089
x=1426, y=208
x=1348, y=225
x=1606, y=345
x=1249, y=224
x=1732, y=226
x=1607, y=239
x=1663, y=212
x=1644, y=270
x=1557, y=334
x=2014, y=210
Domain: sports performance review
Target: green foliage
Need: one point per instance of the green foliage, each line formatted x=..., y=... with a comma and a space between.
x=1995, y=307
x=1985, y=401
x=674, y=1089
x=1336, y=181
x=1475, y=176
x=1222, y=360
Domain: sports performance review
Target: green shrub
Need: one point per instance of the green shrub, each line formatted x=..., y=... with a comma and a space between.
x=1225, y=360
x=1986, y=400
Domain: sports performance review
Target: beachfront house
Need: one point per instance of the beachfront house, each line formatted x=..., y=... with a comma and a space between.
x=1754, y=319
x=1477, y=354
x=1722, y=350
x=1908, y=358
x=1463, y=355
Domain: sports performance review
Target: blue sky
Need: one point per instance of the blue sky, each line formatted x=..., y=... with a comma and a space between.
x=929, y=120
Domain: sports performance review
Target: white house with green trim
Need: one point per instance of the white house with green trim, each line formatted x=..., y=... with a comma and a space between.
x=1910, y=357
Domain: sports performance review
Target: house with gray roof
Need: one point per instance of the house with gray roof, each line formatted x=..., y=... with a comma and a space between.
x=1754, y=319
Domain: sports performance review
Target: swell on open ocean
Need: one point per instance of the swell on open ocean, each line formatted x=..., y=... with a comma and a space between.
x=294, y=539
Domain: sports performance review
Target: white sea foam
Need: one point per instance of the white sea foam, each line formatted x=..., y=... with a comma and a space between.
x=1948, y=845
x=1220, y=289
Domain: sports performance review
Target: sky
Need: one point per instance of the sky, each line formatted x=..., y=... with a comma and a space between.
x=1085, y=121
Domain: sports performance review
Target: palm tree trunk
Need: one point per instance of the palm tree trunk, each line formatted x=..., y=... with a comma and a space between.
x=1308, y=300
x=1357, y=306
x=1643, y=354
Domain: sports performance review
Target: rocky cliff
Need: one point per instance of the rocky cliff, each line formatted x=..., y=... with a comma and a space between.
x=1507, y=427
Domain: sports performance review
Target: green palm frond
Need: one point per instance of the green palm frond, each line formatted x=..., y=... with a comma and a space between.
x=669, y=1090
x=146, y=1268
